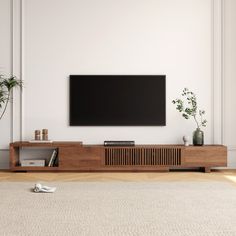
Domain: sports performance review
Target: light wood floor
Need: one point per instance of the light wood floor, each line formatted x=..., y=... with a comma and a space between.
x=216, y=175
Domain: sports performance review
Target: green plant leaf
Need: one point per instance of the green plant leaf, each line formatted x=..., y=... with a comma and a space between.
x=7, y=84
x=189, y=108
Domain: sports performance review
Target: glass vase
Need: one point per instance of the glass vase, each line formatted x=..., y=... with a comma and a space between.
x=198, y=137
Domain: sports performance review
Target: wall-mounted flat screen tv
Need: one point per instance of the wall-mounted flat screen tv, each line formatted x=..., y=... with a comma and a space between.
x=117, y=100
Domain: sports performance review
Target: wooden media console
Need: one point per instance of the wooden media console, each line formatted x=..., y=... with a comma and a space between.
x=74, y=156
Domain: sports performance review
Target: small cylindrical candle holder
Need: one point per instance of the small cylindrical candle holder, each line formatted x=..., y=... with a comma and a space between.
x=45, y=134
x=37, y=135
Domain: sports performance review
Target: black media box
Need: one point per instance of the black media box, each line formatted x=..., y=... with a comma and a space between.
x=119, y=143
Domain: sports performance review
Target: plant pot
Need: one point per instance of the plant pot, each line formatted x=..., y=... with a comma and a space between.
x=198, y=137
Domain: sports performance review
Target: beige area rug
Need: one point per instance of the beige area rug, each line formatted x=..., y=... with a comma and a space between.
x=119, y=208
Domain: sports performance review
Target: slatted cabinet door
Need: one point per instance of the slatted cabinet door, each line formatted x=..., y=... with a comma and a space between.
x=156, y=156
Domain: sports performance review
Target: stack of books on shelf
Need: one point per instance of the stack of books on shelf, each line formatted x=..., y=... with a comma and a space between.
x=53, y=161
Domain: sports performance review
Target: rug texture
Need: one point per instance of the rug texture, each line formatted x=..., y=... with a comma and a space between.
x=119, y=208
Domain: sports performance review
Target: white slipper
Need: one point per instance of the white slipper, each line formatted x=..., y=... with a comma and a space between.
x=39, y=188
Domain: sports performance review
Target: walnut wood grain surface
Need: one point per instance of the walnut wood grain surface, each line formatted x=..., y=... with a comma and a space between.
x=73, y=156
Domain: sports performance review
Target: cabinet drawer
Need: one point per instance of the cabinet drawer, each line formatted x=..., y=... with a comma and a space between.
x=205, y=156
x=72, y=158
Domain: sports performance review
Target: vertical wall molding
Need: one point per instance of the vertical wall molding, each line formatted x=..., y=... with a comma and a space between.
x=22, y=70
x=17, y=69
x=12, y=56
x=217, y=72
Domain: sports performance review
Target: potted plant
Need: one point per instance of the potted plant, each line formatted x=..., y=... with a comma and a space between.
x=189, y=108
x=7, y=84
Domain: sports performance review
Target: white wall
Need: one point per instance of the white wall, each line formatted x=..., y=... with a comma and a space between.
x=5, y=68
x=5, y=62
x=113, y=37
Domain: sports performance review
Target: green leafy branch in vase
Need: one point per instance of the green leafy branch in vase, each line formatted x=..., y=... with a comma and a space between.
x=7, y=84
x=188, y=107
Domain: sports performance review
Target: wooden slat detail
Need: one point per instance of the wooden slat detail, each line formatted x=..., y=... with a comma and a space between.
x=121, y=156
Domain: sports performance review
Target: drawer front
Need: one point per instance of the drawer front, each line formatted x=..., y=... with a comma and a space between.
x=80, y=157
x=205, y=156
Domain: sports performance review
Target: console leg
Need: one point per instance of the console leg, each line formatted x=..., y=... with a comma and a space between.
x=207, y=169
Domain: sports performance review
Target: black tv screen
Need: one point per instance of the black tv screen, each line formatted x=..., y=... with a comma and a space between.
x=117, y=100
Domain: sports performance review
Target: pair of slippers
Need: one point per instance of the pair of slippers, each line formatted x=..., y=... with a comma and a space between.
x=39, y=188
